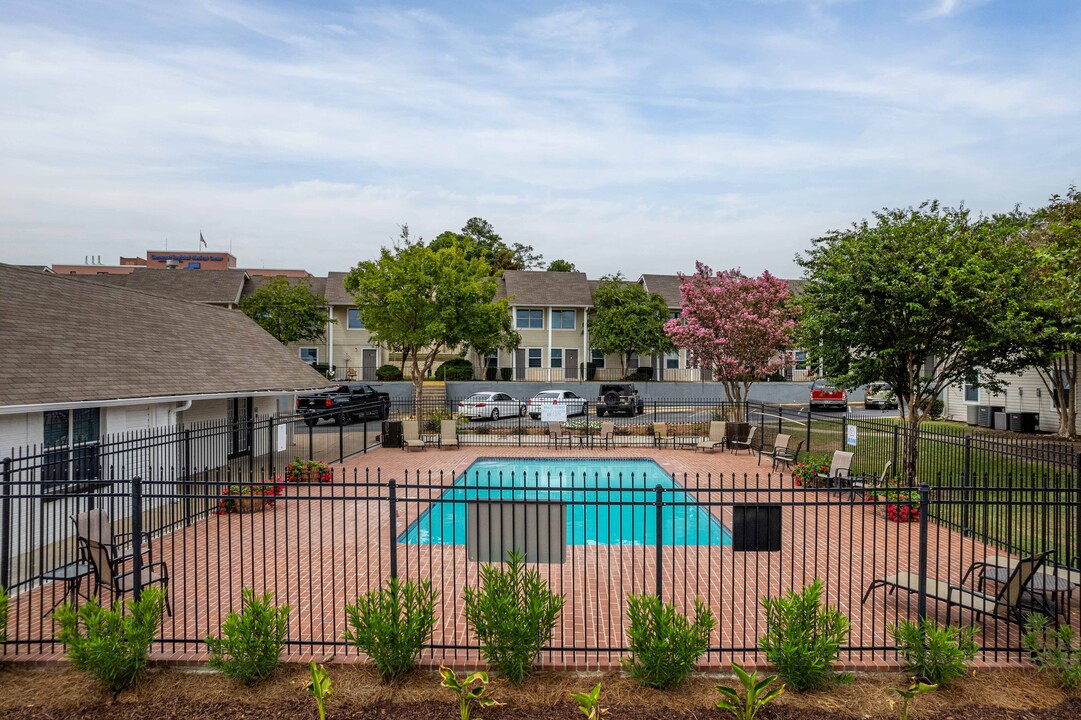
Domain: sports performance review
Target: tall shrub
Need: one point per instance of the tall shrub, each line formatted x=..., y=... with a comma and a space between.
x=390, y=625
x=252, y=640
x=664, y=644
x=803, y=638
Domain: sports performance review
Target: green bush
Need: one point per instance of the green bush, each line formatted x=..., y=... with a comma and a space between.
x=456, y=369
x=252, y=640
x=805, y=472
x=1053, y=650
x=513, y=614
x=506, y=373
x=803, y=638
x=664, y=644
x=388, y=373
x=642, y=374
x=3, y=614
x=938, y=654
x=390, y=625
x=112, y=645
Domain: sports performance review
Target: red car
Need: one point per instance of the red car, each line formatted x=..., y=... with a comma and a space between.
x=825, y=395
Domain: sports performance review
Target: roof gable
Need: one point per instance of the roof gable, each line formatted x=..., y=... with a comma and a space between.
x=539, y=287
x=216, y=287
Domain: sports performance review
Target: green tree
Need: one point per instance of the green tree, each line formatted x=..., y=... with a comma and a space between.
x=627, y=319
x=561, y=266
x=480, y=240
x=922, y=298
x=289, y=311
x=425, y=300
x=1053, y=339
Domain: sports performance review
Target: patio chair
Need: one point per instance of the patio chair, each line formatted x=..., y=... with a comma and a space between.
x=1007, y=604
x=840, y=469
x=780, y=450
x=745, y=444
x=1062, y=572
x=556, y=434
x=716, y=437
x=787, y=457
x=411, y=439
x=660, y=433
x=861, y=485
x=608, y=431
x=99, y=546
x=448, y=434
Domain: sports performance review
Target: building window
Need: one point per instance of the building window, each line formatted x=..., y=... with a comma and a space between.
x=71, y=443
x=534, y=357
x=529, y=319
x=598, y=359
x=353, y=322
x=491, y=360
x=675, y=314
x=557, y=357
x=309, y=355
x=671, y=361
x=971, y=389
x=562, y=320
x=241, y=420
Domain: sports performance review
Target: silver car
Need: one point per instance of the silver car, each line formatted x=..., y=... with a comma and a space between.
x=491, y=405
x=576, y=405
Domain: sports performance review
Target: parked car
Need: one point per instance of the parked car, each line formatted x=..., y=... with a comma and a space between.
x=619, y=398
x=880, y=395
x=575, y=405
x=825, y=395
x=343, y=404
x=491, y=405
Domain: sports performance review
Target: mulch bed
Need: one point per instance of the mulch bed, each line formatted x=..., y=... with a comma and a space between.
x=62, y=694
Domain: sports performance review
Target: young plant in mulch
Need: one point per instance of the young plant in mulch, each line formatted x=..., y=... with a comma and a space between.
x=3, y=614
x=392, y=624
x=252, y=640
x=308, y=471
x=319, y=687
x=1054, y=650
x=803, y=637
x=250, y=497
x=664, y=644
x=470, y=691
x=756, y=694
x=111, y=645
x=940, y=654
x=590, y=703
x=909, y=693
x=513, y=614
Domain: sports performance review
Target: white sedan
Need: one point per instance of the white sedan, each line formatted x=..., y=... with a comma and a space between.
x=575, y=405
x=491, y=405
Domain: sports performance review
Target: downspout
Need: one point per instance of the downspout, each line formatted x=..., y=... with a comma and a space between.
x=186, y=405
x=330, y=341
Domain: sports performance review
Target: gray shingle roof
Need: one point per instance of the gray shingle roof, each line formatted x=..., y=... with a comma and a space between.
x=218, y=287
x=537, y=287
x=667, y=286
x=317, y=284
x=335, y=290
x=63, y=339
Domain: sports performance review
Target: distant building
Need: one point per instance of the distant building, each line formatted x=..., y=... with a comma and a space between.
x=172, y=260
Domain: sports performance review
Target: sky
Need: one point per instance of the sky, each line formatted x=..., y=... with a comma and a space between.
x=635, y=136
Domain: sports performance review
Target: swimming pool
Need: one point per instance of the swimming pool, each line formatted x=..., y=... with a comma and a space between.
x=609, y=502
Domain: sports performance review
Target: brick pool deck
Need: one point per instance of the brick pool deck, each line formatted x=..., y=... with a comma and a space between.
x=319, y=547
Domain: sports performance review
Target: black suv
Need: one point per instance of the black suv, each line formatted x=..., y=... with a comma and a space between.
x=621, y=398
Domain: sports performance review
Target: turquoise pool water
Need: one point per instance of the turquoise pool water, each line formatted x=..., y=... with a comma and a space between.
x=609, y=502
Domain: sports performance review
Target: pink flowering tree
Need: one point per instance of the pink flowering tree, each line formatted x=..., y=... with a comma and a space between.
x=736, y=326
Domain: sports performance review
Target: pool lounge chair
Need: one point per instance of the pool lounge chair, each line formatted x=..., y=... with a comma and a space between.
x=448, y=434
x=1006, y=604
x=840, y=469
x=1062, y=572
x=411, y=436
x=747, y=443
x=716, y=437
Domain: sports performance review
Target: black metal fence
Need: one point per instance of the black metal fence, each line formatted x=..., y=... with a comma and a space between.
x=597, y=533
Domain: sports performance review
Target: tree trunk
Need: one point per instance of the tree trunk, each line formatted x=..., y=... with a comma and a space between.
x=418, y=391
x=735, y=401
x=909, y=440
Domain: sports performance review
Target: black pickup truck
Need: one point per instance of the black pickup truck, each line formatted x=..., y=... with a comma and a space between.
x=345, y=403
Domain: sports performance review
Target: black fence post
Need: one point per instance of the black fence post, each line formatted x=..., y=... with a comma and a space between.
x=808, y=430
x=1077, y=482
x=393, y=488
x=188, y=488
x=5, y=532
x=966, y=483
x=341, y=441
x=921, y=605
x=520, y=416
x=137, y=536
x=896, y=445
x=844, y=430
x=271, y=445
x=365, y=437
x=310, y=438
x=659, y=503
x=654, y=411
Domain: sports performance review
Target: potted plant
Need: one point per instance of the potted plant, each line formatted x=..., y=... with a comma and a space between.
x=308, y=471
x=249, y=498
x=897, y=505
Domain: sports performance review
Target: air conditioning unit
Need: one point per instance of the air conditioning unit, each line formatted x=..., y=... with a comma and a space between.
x=973, y=414
x=987, y=415
x=1024, y=422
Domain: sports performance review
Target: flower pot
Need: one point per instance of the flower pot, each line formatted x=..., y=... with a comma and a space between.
x=249, y=504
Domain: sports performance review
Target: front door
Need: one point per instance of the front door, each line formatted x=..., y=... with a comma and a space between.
x=519, y=364
x=570, y=363
x=367, y=364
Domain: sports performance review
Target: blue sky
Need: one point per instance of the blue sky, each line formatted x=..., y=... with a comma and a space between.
x=634, y=136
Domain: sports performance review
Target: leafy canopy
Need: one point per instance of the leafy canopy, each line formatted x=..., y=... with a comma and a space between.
x=561, y=266
x=289, y=311
x=627, y=319
x=480, y=240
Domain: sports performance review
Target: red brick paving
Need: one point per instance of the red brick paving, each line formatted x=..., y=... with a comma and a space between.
x=320, y=547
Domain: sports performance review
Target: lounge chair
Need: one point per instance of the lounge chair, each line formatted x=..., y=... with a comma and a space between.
x=745, y=444
x=660, y=433
x=99, y=546
x=1068, y=574
x=608, y=431
x=716, y=437
x=1007, y=604
x=448, y=434
x=787, y=457
x=411, y=439
x=862, y=486
x=556, y=434
x=840, y=469
x=780, y=449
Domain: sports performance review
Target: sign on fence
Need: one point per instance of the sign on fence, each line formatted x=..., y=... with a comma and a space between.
x=852, y=435
x=554, y=413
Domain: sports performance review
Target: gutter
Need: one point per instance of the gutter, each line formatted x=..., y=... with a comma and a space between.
x=188, y=399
